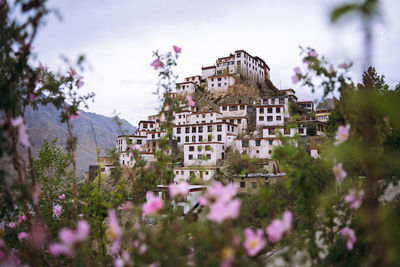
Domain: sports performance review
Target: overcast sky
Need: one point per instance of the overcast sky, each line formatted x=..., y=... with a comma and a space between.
x=118, y=37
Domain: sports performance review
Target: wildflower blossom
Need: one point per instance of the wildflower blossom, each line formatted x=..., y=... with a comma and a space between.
x=342, y=134
x=350, y=236
x=153, y=204
x=339, y=173
x=157, y=64
x=278, y=227
x=114, y=231
x=190, y=101
x=177, y=49
x=69, y=240
x=12, y=224
x=22, y=235
x=254, y=241
x=179, y=189
x=223, y=207
x=61, y=197
x=345, y=65
x=296, y=77
x=74, y=116
x=354, y=198
x=57, y=210
x=22, y=134
x=313, y=53
x=22, y=218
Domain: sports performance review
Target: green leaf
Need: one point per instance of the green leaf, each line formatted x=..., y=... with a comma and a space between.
x=343, y=10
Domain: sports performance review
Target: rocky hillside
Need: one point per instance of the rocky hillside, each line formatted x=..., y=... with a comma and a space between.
x=45, y=124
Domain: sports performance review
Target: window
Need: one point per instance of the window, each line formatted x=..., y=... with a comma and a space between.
x=182, y=172
x=208, y=148
x=242, y=184
x=261, y=118
x=239, y=121
x=281, y=100
x=193, y=138
x=286, y=131
x=224, y=108
x=242, y=107
x=209, y=128
x=219, y=128
x=191, y=148
x=270, y=142
x=233, y=108
x=194, y=129
x=238, y=62
x=273, y=101
x=258, y=142
x=269, y=118
x=200, y=138
x=139, y=141
x=190, y=156
x=209, y=138
x=219, y=79
x=212, y=79
x=219, y=85
x=278, y=110
x=200, y=129
x=219, y=137
x=180, y=116
x=176, y=172
x=271, y=131
x=278, y=118
x=301, y=130
x=199, y=156
x=261, y=110
x=269, y=110
x=187, y=130
x=187, y=139
x=203, y=116
x=245, y=143
x=208, y=156
x=178, y=139
x=153, y=136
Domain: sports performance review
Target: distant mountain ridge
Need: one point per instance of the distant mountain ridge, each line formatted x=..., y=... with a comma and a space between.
x=44, y=123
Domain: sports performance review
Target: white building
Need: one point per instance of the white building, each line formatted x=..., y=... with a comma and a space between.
x=185, y=173
x=220, y=83
x=260, y=148
x=204, y=117
x=203, y=154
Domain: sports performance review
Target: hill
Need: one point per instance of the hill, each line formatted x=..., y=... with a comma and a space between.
x=44, y=123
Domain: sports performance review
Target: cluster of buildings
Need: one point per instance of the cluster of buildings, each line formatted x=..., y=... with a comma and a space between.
x=202, y=139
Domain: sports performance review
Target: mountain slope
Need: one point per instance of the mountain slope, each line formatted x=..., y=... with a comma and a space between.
x=44, y=123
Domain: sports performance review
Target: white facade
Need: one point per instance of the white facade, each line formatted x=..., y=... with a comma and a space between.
x=272, y=131
x=205, y=132
x=207, y=72
x=204, y=117
x=182, y=117
x=220, y=84
x=203, y=154
x=257, y=147
x=185, y=173
x=233, y=110
x=270, y=115
x=186, y=87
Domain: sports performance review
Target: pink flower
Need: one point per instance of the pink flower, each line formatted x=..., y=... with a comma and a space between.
x=220, y=211
x=345, y=65
x=61, y=197
x=254, y=241
x=57, y=210
x=350, y=236
x=22, y=235
x=22, y=218
x=36, y=193
x=354, y=198
x=114, y=231
x=203, y=200
x=296, y=77
x=125, y=206
x=12, y=224
x=153, y=204
x=331, y=69
x=32, y=97
x=340, y=174
x=313, y=53
x=73, y=72
x=179, y=189
x=190, y=101
x=74, y=116
x=342, y=134
x=69, y=239
x=22, y=134
x=137, y=147
x=142, y=249
x=177, y=49
x=157, y=64
x=222, y=193
x=278, y=227
x=79, y=82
